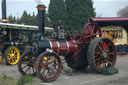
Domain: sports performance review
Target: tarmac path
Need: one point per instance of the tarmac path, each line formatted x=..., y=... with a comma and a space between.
x=85, y=77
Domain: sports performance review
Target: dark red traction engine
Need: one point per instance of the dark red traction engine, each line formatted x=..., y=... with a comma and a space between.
x=84, y=48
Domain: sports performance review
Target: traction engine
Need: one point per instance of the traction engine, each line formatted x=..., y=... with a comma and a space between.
x=83, y=49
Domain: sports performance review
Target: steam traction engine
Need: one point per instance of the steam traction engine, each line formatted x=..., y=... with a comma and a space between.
x=84, y=48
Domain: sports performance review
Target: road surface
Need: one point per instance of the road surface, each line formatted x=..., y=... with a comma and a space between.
x=85, y=77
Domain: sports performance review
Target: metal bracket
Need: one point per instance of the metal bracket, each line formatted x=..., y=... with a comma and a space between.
x=49, y=50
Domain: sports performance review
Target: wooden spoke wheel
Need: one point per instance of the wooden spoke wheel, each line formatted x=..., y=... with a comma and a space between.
x=91, y=31
x=26, y=64
x=48, y=66
x=1, y=57
x=101, y=54
x=12, y=55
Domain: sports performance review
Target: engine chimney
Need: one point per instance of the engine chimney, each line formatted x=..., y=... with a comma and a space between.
x=4, y=17
x=41, y=18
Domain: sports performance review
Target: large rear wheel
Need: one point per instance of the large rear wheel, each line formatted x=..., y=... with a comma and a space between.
x=101, y=54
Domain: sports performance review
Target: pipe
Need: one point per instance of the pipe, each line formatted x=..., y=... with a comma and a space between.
x=4, y=17
x=41, y=18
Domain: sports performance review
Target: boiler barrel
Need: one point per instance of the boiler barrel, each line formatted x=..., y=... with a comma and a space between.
x=63, y=47
x=60, y=47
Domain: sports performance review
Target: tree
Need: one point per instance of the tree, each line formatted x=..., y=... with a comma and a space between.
x=48, y=23
x=28, y=19
x=34, y=19
x=123, y=12
x=11, y=19
x=57, y=12
x=78, y=13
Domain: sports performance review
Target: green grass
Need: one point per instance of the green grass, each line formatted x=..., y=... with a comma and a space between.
x=25, y=79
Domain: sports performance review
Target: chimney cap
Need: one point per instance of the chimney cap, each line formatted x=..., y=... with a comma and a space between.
x=4, y=20
x=41, y=7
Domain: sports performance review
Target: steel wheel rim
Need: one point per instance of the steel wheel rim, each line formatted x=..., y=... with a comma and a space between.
x=91, y=31
x=13, y=55
x=27, y=66
x=1, y=57
x=49, y=67
x=104, y=55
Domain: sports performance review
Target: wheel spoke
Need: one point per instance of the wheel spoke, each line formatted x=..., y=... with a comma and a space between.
x=11, y=51
x=43, y=71
x=97, y=33
x=33, y=70
x=110, y=58
x=102, y=45
x=24, y=66
x=14, y=59
x=108, y=61
x=108, y=45
x=52, y=61
x=110, y=53
x=98, y=64
x=55, y=65
x=100, y=48
x=102, y=61
x=53, y=71
x=97, y=59
x=42, y=67
x=88, y=29
x=27, y=69
x=93, y=28
x=47, y=73
x=98, y=53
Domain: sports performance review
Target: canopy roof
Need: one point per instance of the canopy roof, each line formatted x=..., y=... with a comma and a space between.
x=111, y=21
x=21, y=27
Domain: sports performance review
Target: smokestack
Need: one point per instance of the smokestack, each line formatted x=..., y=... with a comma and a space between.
x=41, y=18
x=4, y=18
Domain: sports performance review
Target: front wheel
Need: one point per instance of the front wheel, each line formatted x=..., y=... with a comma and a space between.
x=48, y=66
x=12, y=55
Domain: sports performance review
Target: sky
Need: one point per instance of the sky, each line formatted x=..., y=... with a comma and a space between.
x=103, y=8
